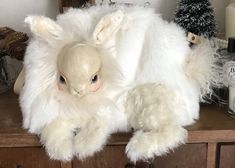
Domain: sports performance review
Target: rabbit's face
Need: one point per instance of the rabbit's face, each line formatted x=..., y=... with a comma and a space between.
x=79, y=68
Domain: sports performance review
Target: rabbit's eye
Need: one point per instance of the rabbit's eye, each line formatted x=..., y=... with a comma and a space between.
x=94, y=79
x=62, y=80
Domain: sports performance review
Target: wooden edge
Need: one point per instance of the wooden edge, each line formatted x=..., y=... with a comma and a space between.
x=119, y=139
x=19, y=140
x=211, y=136
x=211, y=155
x=200, y=136
x=26, y=139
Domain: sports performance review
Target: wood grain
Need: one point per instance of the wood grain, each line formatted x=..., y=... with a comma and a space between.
x=110, y=157
x=202, y=136
x=19, y=140
x=186, y=156
x=26, y=157
x=227, y=155
x=213, y=118
x=211, y=155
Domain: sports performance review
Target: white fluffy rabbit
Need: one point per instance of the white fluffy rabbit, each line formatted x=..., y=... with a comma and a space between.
x=150, y=81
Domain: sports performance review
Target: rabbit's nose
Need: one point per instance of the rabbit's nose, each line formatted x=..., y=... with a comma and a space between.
x=78, y=91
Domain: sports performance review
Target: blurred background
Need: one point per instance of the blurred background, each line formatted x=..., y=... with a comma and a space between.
x=13, y=12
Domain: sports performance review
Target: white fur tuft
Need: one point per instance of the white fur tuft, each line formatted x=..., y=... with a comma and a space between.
x=57, y=138
x=146, y=145
x=154, y=110
x=202, y=68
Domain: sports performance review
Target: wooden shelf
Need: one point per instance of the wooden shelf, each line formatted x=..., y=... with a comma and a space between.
x=214, y=125
x=214, y=128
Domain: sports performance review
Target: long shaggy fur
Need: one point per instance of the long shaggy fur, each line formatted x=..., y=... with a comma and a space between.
x=203, y=69
x=153, y=110
x=152, y=79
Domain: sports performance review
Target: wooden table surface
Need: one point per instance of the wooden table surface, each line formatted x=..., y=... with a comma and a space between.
x=214, y=125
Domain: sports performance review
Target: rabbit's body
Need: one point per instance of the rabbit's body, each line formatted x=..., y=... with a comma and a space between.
x=139, y=49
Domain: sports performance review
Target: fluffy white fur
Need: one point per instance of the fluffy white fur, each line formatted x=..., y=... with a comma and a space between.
x=82, y=133
x=157, y=94
x=152, y=109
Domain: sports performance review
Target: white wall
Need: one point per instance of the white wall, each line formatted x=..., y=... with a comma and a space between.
x=166, y=7
x=13, y=12
x=220, y=6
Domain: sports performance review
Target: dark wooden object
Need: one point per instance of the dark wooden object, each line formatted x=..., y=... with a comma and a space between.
x=211, y=144
x=72, y=3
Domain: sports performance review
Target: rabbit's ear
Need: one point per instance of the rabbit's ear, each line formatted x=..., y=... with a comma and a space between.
x=107, y=26
x=44, y=28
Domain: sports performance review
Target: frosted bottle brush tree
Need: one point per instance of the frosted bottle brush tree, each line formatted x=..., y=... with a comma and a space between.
x=197, y=17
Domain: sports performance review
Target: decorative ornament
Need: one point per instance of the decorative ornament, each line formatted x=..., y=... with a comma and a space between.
x=196, y=17
x=12, y=44
x=193, y=38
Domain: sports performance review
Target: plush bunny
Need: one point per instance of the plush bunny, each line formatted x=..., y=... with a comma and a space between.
x=101, y=69
x=69, y=91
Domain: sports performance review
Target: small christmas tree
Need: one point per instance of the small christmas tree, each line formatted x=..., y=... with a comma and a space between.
x=197, y=17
